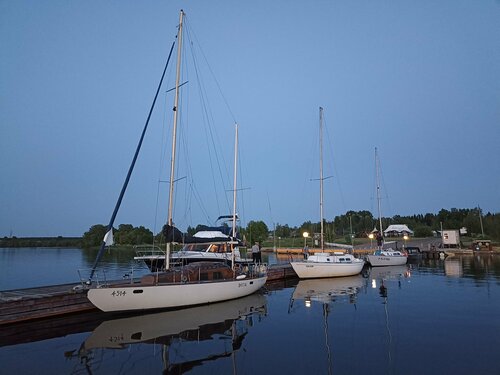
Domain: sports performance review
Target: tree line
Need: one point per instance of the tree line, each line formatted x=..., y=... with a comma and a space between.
x=357, y=223
x=127, y=234
x=361, y=223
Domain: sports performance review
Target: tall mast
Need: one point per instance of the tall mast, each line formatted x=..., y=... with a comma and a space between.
x=321, y=173
x=377, y=169
x=174, y=136
x=481, y=220
x=234, y=192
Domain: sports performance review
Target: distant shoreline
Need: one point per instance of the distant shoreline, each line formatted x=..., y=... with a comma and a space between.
x=59, y=241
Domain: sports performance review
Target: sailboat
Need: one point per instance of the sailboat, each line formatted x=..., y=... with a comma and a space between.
x=211, y=244
x=384, y=257
x=195, y=284
x=323, y=264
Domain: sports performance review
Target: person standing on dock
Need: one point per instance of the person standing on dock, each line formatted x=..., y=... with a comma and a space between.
x=380, y=240
x=256, y=257
x=306, y=252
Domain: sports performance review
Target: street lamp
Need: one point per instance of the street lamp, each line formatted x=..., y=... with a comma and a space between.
x=405, y=237
x=305, y=234
x=370, y=236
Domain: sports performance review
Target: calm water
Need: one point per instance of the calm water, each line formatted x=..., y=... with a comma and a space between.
x=433, y=317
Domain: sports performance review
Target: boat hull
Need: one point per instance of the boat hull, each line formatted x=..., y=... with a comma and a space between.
x=384, y=260
x=140, y=297
x=310, y=270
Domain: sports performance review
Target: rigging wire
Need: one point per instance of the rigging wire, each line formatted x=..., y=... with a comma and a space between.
x=131, y=168
x=210, y=129
x=215, y=79
x=216, y=156
x=161, y=167
x=335, y=168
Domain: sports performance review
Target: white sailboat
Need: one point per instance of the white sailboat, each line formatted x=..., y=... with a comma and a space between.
x=323, y=264
x=212, y=244
x=384, y=257
x=195, y=284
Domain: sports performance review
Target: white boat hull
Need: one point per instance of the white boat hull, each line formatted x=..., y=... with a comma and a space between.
x=309, y=270
x=140, y=297
x=385, y=260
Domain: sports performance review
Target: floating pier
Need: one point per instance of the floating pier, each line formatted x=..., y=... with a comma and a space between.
x=43, y=302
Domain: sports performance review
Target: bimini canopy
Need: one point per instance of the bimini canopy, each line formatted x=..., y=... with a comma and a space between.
x=397, y=229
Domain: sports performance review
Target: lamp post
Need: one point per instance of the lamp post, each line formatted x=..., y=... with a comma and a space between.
x=370, y=236
x=405, y=237
x=305, y=234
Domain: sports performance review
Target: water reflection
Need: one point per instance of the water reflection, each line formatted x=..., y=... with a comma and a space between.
x=453, y=267
x=326, y=292
x=188, y=337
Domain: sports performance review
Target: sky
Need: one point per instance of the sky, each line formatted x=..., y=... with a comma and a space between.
x=419, y=80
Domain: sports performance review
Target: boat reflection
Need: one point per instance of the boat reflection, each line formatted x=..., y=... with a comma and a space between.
x=328, y=290
x=379, y=275
x=453, y=267
x=226, y=323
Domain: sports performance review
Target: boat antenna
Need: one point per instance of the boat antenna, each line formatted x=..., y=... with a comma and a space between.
x=174, y=136
x=109, y=230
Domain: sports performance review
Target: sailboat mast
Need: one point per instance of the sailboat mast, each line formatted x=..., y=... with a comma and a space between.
x=377, y=169
x=321, y=174
x=234, y=192
x=174, y=136
x=481, y=220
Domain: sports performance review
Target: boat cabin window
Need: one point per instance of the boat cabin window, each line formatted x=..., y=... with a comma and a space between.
x=194, y=247
x=220, y=248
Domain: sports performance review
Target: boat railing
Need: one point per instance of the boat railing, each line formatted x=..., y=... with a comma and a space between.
x=149, y=250
x=252, y=270
x=101, y=277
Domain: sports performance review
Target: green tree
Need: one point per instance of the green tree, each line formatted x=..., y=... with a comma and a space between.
x=422, y=231
x=94, y=236
x=139, y=236
x=121, y=234
x=256, y=231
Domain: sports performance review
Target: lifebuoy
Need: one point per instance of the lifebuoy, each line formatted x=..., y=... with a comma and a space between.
x=184, y=278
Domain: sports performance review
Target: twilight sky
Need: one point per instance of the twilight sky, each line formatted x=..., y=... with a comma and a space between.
x=419, y=80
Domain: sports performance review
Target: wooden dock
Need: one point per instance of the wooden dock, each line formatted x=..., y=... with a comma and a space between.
x=43, y=302
x=29, y=304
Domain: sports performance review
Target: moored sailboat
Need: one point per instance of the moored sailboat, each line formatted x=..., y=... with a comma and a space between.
x=323, y=264
x=195, y=284
x=211, y=244
x=384, y=257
